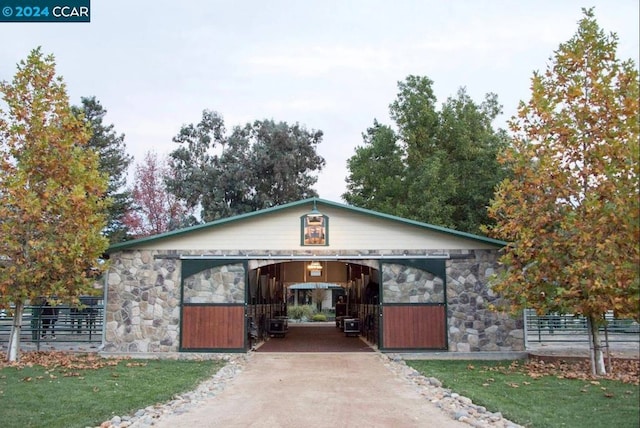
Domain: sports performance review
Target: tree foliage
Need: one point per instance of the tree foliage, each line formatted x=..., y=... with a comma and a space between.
x=114, y=161
x=571, y=210
x=155, y=210
x=439, y=167
x=380, y=152
x=259, y=165
x=52, y=208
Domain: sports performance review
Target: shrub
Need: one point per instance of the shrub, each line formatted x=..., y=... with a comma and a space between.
x=319, y=317
x=300, y=312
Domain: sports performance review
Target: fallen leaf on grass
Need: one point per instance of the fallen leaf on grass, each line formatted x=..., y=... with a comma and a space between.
x=623, y=370
x=61, y=360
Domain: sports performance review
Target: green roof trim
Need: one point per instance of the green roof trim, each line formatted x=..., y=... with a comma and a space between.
x=218, y=223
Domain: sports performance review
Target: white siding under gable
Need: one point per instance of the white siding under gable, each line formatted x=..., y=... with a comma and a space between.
x=347, y=230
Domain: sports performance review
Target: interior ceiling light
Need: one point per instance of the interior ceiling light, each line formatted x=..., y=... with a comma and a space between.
x=314, y=266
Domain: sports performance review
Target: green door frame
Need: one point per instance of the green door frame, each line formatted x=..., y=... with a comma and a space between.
x=438, y=267
x=193, y=266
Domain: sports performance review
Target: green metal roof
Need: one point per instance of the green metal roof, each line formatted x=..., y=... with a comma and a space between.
x=317, y=201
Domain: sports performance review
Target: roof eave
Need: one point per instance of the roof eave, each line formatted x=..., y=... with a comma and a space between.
x=216, y=223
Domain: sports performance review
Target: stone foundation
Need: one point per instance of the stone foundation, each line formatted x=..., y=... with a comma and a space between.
x=473, y=326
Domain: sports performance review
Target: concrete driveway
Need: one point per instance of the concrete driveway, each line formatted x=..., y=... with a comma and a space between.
x=315, y=390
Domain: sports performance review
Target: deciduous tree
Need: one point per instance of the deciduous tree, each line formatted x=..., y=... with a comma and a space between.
x=155, y=210
x=571, y=210
x=52, y=205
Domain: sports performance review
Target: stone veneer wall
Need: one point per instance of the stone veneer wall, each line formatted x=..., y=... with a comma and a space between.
x=143, y=300
x=222, y=284
x=472, y=325
x=405, y=284
x=143, y=303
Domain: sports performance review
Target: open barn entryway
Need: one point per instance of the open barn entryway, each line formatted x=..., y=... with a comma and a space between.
x=312, y=305
x=304, y=305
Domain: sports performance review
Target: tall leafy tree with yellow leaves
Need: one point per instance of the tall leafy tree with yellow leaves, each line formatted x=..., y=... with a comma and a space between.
x=571, y=211
x=52, y=205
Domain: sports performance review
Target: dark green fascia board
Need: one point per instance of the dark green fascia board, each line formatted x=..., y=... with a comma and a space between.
x=309, y=201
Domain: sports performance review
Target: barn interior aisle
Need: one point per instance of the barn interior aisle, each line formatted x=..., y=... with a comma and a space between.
x=314, y=338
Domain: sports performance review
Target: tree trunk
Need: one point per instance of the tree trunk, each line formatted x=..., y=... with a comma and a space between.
x=14, y=337
x=597, y=356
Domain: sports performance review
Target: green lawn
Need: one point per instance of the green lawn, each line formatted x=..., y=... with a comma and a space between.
x=86, y=393
x=79, y=397
x=545, y=401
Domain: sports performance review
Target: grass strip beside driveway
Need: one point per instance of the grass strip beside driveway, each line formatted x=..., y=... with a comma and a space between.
x=67, y=394
x=541, y=395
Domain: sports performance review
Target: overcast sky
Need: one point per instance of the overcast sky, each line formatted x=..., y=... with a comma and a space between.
x=328, y=65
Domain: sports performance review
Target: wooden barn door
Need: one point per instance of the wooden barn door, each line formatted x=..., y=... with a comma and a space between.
x=213, y=306
x=414, y=310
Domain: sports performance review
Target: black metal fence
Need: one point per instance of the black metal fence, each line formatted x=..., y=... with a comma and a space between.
x=59, y=323
x=573, y=328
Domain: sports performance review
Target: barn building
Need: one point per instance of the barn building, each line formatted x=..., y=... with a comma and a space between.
x=413, y=286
